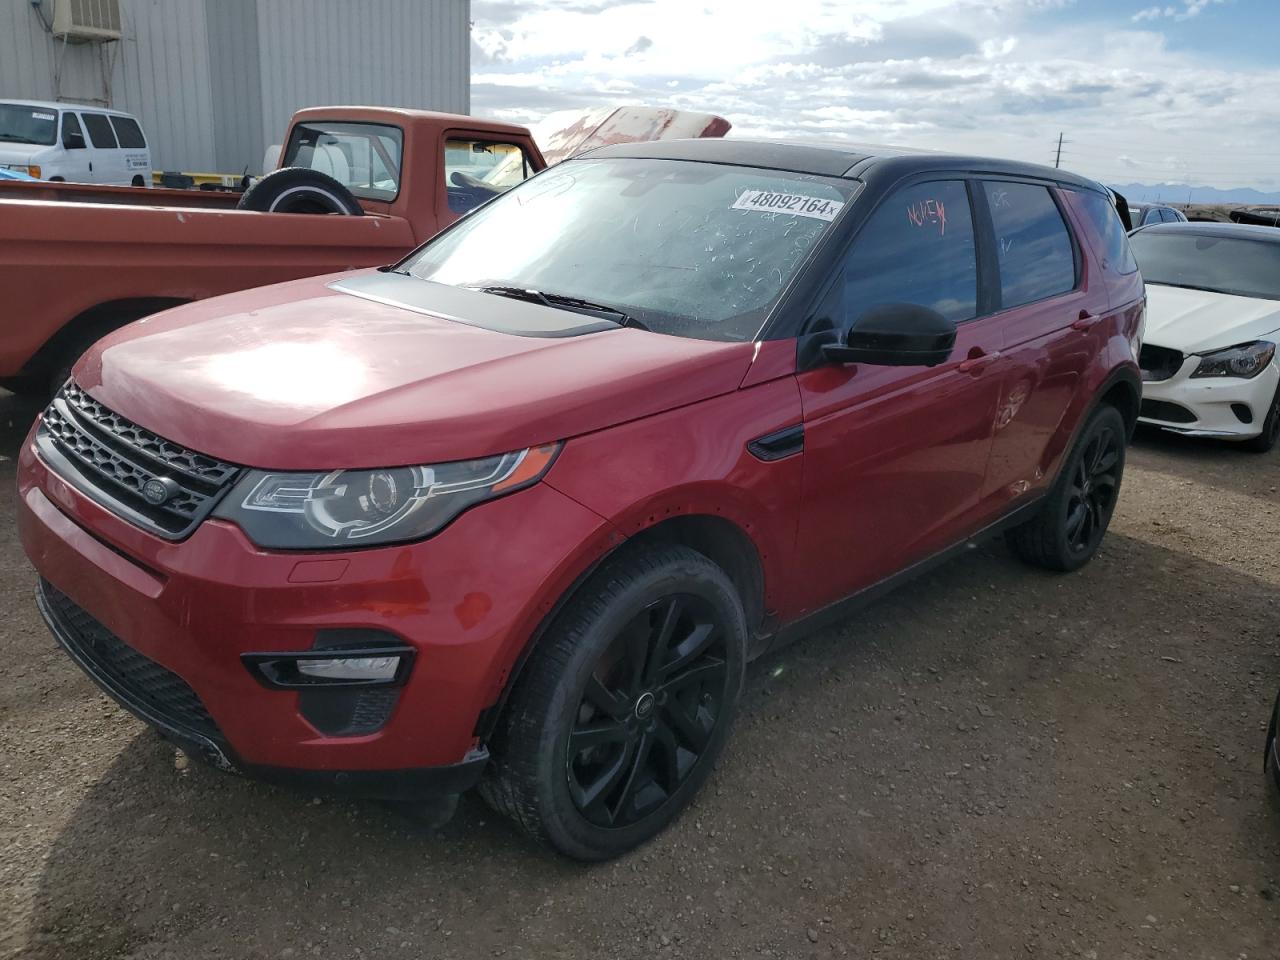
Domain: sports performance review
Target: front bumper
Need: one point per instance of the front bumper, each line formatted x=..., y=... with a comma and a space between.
x=466, y=600
x=1225, y=407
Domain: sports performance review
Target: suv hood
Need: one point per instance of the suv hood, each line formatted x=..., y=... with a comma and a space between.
x=1195, y=321
x=305, y=376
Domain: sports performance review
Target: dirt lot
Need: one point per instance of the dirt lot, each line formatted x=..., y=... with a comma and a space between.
x=993, y=762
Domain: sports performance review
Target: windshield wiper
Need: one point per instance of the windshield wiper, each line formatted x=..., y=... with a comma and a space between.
x=560, y=301
x=17, y=138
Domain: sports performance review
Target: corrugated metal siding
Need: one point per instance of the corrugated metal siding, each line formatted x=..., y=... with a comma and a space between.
x=215, y=81
x=396, y=53
x=162, y=76
x=236, y=71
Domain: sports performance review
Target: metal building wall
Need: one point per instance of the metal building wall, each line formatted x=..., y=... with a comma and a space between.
x=396, y=53
x=160, y=72
x=214, y=82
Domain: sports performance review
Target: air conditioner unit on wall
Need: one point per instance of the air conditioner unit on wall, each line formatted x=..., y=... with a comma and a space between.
x=86, y=21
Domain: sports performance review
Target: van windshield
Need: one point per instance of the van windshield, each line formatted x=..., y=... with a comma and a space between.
x=697, y=250
x=25, y=123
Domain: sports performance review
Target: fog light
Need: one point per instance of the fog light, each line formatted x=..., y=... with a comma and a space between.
x=351, y=668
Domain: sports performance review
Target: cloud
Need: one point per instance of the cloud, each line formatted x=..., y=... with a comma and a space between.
x=1189, y=9
x=1001, y=77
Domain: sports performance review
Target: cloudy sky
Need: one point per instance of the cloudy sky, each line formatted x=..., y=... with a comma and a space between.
x=1185, y=91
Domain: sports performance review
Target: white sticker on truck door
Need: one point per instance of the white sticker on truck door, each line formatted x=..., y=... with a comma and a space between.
x=768, y=201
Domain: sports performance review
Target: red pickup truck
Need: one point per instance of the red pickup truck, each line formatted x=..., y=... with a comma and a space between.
x=100, y=257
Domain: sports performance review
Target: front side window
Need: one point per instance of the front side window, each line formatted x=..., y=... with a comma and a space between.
x=691, y=249
x=1241, y=267
x=479, y=170
x=100, y=133
x=27, y=123
x=72, y=135
x=1105, y=220
x=918, y=247
x=363, y=157
x=129, y=133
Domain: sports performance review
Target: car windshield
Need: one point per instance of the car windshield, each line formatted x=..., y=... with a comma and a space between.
x=692, y=249
x=25, y=123
x=1244, y=268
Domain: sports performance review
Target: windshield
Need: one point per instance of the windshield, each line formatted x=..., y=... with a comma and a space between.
x=692, y=249
x=363, y=157
x=1244, y=268
x=23, y=123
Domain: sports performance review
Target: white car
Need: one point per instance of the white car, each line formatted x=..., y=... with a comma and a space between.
x=66, y=141
x=1209, y=361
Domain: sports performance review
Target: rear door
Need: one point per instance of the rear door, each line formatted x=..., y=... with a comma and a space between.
x=1051, y=314
x=895, y=457
x=104, y=153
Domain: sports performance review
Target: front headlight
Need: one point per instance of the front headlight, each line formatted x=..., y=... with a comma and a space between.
x=362, y=508
x=1246, y=360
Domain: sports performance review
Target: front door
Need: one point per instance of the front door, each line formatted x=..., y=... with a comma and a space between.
x=74, y=162
x=895, y=457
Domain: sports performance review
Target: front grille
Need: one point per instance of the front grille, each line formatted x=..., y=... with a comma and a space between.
x=142, y=681
x=1158, y=363
x=1166, y=411
x=111, y=459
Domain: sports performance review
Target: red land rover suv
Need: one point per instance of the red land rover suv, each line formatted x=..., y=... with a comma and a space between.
x=516, y=511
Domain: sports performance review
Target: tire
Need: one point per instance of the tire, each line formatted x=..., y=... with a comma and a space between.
x=1264, y=442
x=595, y=681
x=1061, y=537
x=299, y=190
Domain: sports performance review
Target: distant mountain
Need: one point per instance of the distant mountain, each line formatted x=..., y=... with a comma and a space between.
x=1178, y=193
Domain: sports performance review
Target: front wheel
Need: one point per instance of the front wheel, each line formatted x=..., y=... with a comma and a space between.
x=1270, y=429
x=1069, y=528
x=621, y=714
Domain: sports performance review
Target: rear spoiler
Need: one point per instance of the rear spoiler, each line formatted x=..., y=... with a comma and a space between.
x=1122, y=208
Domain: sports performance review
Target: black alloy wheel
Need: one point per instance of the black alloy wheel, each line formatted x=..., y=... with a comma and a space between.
x=648, y=712
x=625, y=705
x=1265, y=441
x=1091, y=497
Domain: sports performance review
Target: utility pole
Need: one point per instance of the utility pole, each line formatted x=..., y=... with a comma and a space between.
x=1057, y=163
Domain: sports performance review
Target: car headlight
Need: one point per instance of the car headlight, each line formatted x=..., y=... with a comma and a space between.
x=1246, y=360
x=361, y=508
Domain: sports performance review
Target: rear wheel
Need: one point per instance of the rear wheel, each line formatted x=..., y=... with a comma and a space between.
x=1069, y=528
x=621, y=715
x=1270, y=435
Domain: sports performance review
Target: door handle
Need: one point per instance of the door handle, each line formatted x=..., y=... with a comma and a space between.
x=977, y=363
x=1087, y=321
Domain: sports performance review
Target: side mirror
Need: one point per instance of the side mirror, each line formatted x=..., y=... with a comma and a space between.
x=73, y=141
x=896, y=335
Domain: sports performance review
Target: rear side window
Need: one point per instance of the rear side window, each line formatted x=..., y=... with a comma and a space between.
x=1033, y=246
x=99, y=128
x=917, y=247
x=1104, y=219
x=129, y=133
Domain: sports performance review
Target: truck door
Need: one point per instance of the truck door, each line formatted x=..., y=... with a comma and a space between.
x=478, y=167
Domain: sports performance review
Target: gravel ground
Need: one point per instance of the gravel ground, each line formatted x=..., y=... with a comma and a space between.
x=992, y=762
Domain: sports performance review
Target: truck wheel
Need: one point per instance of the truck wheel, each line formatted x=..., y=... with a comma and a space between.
x=620, y=715
x=299, y=190
x=1069, y=528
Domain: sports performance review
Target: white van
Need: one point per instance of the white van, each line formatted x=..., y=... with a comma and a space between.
x=66, y=141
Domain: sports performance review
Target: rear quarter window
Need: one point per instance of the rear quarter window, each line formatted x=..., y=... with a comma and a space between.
x=129, y=133
x=1033, y=245
x=1108, y=231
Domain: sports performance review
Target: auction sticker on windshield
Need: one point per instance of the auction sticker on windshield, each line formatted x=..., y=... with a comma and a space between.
x=768, y=201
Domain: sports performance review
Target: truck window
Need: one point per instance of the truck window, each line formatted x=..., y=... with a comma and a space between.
x=363, y=157
x=129, y=133
x=100, y=134
x=479, y=170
